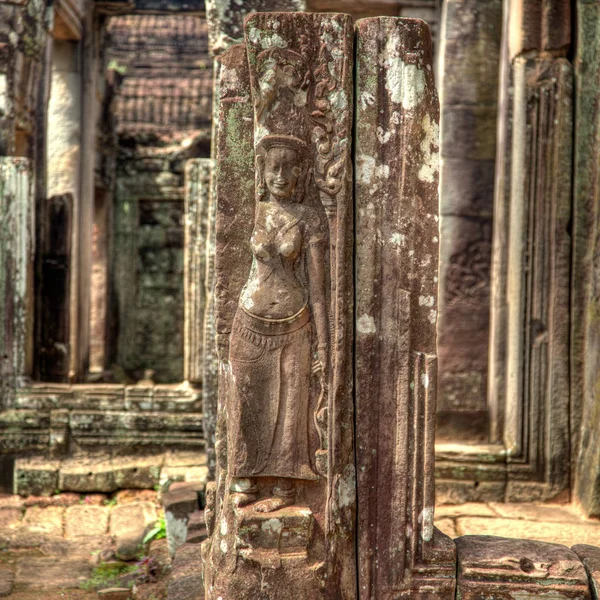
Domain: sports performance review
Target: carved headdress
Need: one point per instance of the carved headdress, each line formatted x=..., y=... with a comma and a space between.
x=282, y=141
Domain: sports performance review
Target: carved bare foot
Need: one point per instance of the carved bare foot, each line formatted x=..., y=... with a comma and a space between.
x=241, y=499
x=273, y=504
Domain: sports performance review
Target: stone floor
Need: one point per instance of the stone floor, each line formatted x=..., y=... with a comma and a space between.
x=61, y=545
x=560, y=524
x=70, y=545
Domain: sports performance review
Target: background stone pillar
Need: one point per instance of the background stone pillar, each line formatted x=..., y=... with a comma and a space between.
x=585, y=365
x=528, y=368
x=470, y=61
x=197, y=190
x=17, y=247
x=64, y=160
x=400, y=553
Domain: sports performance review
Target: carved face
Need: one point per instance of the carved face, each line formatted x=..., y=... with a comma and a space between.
x=281, y=171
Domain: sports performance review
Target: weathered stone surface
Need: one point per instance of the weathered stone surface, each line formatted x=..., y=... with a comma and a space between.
x=197, y=195
x=49, y=520
x=114, y=594
x=7, y=579
x=178, y=506
x=400, y=552
x=226, y=19
x=186, y=581
x=136, y=472
x=503, y=569
x=197, y=531
x=470, y=53
x=35, y=573
x=300, y=73
x=585, y=334
x=17, y=242
x=87, y=474
x=537, y=512
x=129, y=524
x=36, y=476
x=83, y=520
x=590, y=557
x=547, y=531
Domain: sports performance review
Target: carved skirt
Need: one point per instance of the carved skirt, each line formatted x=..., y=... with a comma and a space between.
x=269, y=412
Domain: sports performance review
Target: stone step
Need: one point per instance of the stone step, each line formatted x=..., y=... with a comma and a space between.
x=105, y=473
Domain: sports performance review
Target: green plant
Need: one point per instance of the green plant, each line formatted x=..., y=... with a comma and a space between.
x=107, y=574
x=158, y=532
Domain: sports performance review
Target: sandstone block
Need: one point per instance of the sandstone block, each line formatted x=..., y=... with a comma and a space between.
x=129, y=524
x=590, y=557
x=36, y=476
x=178, y=506
x=86, y=521
x=504, y=569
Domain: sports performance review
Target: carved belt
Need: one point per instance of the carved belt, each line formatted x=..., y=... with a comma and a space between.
x=269, y=333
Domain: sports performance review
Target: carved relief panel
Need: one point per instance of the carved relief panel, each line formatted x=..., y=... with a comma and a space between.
x=284, y=495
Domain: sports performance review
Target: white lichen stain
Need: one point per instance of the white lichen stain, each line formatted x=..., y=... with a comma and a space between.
x=223, y=546
x=383, y=136
x=272, y=526
x=425, y=380
x=223, y=527
x=382, y=171
x=429, y=150
x=398, y=239
x=426, y=520
x=266, y=39
x=426, y=301
x=366, y=99
x=365, y=168
x=432, y=316
x=404, y=82
x=346, y=487
x=366, y=325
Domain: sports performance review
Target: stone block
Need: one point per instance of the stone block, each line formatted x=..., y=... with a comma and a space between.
x=48, y=520
x=548, y=513
x=86, y=521
x=36, y=476
x=136, y=472
x=89, y=474
x=590, y=557
x=114, y=594
x=129, y=524
x=7, y=580
x=197, y=531
x=494, y=568
x=35, y=573
x=178, y=506
x=187, y=582
x=472, y=130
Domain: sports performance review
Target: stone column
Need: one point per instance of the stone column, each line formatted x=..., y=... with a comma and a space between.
x=400, y=553
x=197, y=189
x=470, y=61
x=287, y=523
x=17, y=247
x=585, y=365
x=64, y=159
x=528, y=369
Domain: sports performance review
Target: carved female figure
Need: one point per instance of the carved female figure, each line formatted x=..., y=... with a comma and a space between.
x=281, y=323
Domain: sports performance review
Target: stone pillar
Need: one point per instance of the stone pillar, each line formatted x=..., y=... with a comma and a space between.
x=17, y=247
x=400, y=553
x=22, y=43
x=529, y=370
x=282, y=516
x=64, y=159
x=197, y=189
x=226, y=27
x=585, y=365
x=470, y=61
